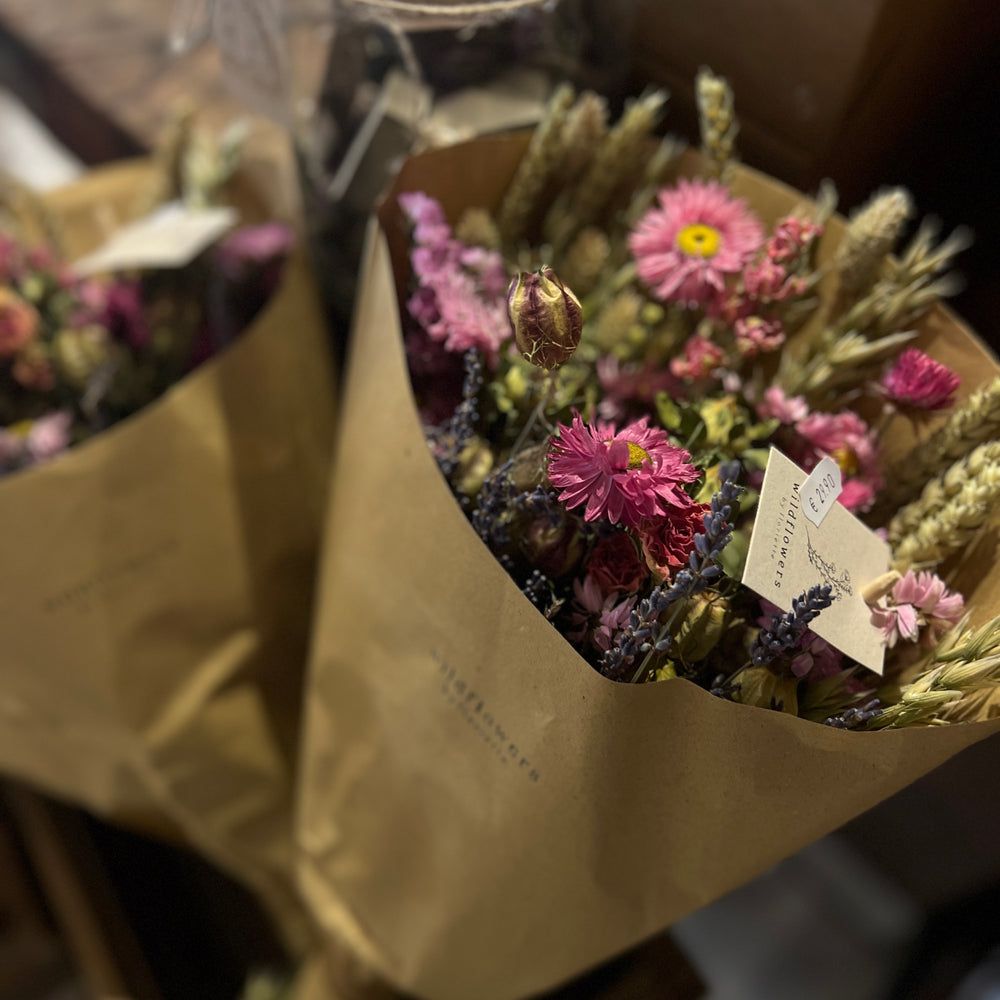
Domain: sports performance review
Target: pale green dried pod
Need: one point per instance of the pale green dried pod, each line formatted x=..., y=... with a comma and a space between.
x=585, y=259
x=971, y=423
x=718, y=125
x=870, y=236
x=78, y=352
x=982, y=464
x=612, y=324
x=533, y=173
x=476, y=227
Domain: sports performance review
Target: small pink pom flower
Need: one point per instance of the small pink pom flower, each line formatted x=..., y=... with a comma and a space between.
x=917, y=601
x=756, y=335
x=918, y=382
x=788, y=409
x=699, y=234
x=699, y=359
x=623, y=476
x=632, y=382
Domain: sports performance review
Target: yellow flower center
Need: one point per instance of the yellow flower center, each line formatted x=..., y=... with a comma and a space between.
x=636, y=455
x=847, y=460
x=698, y=240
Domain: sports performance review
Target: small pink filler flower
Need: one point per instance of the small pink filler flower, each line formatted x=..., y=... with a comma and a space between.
x=624, y=476
x=699, y=234
x=918, y=382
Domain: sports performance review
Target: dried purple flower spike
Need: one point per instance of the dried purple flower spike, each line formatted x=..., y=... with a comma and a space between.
x=788, y=628
x=643, y=634
x=463, y=421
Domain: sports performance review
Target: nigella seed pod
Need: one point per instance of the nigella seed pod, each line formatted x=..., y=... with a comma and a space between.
x=546, y=316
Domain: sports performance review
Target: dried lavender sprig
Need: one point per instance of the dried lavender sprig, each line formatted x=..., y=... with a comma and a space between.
x=856, y=717
x=537, y=588
x=463, y=420
x=788, y=628
x=492, y=505
x=638, y=636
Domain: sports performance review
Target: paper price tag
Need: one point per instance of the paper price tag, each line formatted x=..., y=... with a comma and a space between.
x=172, y=236
x=820, y=490
x=790, y=552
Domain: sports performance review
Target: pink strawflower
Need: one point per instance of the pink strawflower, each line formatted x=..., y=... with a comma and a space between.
x=625, y=476
x=597, y=617
x=685, y=248
x=919, y=600
x=699, y=359
x=917, y=382
x=787, y=409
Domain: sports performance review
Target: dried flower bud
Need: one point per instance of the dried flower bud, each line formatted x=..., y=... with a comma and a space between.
x=546, y=316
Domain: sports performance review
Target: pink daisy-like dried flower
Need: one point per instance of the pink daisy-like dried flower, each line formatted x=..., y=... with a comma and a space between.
x=919, y=600
x=684, y=249
x=625, y=476
x=917, y=382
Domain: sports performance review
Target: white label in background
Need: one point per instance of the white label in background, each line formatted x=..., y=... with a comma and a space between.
x=821, y=489
x=789, y=553
x=172, y=236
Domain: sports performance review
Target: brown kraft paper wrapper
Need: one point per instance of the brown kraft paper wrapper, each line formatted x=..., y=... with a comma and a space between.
x=156, y=587
x=481, y=814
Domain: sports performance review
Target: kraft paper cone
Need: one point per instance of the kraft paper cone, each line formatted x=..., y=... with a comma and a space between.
x=481, y=813
x=156, y=583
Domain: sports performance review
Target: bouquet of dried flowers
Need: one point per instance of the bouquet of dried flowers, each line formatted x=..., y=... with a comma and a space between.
x=604, y=365
x=79, y=352
x=599, y=388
